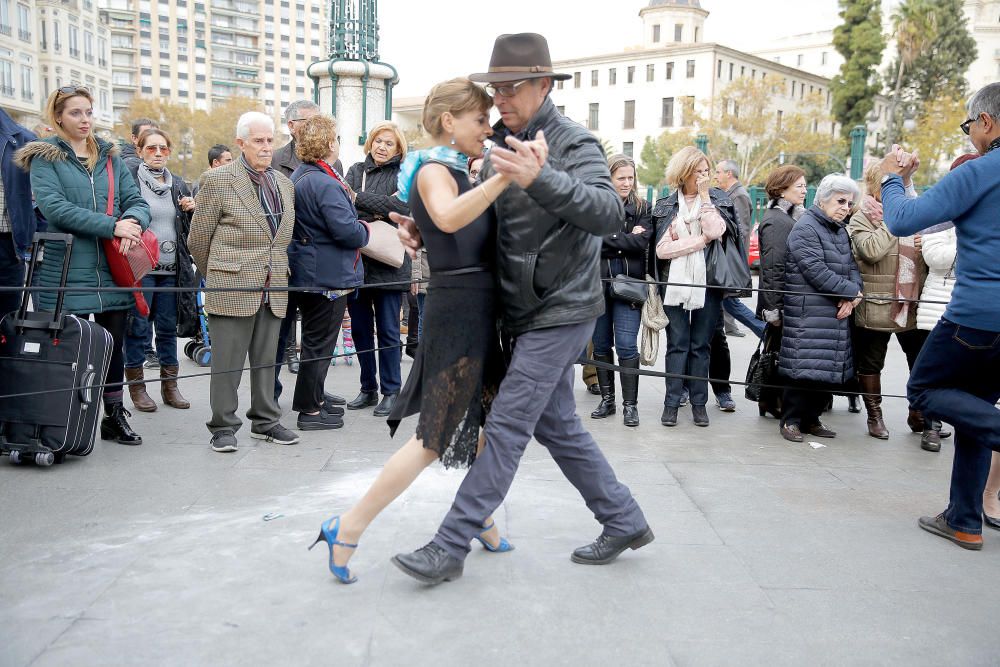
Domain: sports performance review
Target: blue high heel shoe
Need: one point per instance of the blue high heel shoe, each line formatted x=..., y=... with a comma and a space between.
x=503, y=547
x=328, y=534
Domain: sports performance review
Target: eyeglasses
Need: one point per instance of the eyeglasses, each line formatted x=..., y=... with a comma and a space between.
x=163, y=150
x=843, y=202
x=965, y=126
x=73, y=90
x=506, y=89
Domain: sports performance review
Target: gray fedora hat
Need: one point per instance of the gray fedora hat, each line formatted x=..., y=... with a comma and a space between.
x=524, y=55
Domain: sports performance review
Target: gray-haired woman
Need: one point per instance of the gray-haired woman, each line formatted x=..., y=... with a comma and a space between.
x=824, y=285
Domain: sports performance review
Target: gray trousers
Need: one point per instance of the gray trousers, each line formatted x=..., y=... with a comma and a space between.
x=536, y=399
x=233, y=338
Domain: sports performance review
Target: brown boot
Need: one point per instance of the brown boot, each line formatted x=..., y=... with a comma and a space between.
x=915, y=420
x=142, y=401
x=168, y=388
x=871, y=387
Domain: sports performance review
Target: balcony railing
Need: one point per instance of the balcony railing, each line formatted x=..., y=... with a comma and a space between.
x=6, y=30
x=101, y=62
x=27, y=96
x=250, y=8
x=24, y=34
x=7, y=90
x=75, y=53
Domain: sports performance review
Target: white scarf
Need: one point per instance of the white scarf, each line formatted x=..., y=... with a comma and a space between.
x=689, y=269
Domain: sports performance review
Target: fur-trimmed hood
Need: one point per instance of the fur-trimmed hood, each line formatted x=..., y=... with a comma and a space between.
x=55, y=149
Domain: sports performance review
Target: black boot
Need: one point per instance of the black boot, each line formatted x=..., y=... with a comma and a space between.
x=114, y=427
x=630, y=392
x=606, y=380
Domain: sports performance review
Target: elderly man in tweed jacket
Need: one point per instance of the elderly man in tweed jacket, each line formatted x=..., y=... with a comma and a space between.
x=239, y=238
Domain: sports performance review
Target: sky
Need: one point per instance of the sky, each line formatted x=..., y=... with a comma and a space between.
x=432, y=40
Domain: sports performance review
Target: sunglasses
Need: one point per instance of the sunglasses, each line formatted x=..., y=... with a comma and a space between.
x=163, y=150
x=967, y=124
x=506, y=89
x=73, y=90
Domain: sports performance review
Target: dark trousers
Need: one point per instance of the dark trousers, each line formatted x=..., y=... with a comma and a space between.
x=321, y=320
x=115, y=321
x=163, y=311
x=376, y=309
x=689, y=336
x=536, y=399
x=803, y=402
x=870, y=348
x=720, y=364
x=957, y=379
x=11, y=274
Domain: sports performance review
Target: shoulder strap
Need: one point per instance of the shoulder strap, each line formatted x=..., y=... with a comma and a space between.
x=111, y=189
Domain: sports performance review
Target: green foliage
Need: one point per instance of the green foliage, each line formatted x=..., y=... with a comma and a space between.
x=860, y=40
x=656, y=154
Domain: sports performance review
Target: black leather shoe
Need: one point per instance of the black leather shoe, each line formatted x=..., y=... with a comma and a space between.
x=323, y=421
x=594, y=389
x=115, y=427
x=365, y=399
x=669, y=416
x=430, y=565
x=606, y=548
x=333, y=399
x=700, y=415
x=385, y=407
x=331, y=409
x=990, y=521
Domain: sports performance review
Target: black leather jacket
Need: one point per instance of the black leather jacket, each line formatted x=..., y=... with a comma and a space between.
x=664, y=212
x=628, y=247
x=550, y=234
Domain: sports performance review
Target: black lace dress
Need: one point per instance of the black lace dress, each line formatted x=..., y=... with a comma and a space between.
x=459, y=363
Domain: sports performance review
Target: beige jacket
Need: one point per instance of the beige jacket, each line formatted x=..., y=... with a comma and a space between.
x=231, y=242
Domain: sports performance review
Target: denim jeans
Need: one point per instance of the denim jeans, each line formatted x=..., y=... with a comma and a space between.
x=738, y=310
x=163, y=310
x=957, y=379
x=689, y=337
x=618, y=327
x=420, y=317
x=376, y=309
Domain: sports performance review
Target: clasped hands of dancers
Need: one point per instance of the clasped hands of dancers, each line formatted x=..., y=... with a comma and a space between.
x=519, y=248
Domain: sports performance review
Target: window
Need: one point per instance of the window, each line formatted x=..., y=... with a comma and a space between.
x=6, y=78
x=594, y=117
x=631, y=74
x=798, y=60
x=690, y=69
x=612, y=76
x=678, y=32
x=650, y=72
x=822, y=58
x=43, y=35
x=629, y=123
x=88, y=46
x=561, y=110
x=628, y=148
x=27, y=87
x=731, y=68
x=57, y=43
x=102, y=51
x=6, y=27
x=670, y=71
x=593, y=78
x=656, y=34
x=559, y=84
x=696, y=34
x=24, y=24
x=793, y=89
x=667, y=112
x=780, y=114
x=576, y=79
x=74, y=41
x=718, y=70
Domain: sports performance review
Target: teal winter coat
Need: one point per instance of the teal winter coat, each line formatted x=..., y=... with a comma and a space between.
x=74, y=201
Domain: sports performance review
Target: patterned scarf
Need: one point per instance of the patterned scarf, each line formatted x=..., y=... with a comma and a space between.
x=415, y=159
x=688, y=269
x=267, y=191
x=795, y=211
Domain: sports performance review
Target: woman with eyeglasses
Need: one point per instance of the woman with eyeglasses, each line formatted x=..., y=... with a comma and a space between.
x=71, y=177
x=170, y=207
x=823, y=286
x=377, y=308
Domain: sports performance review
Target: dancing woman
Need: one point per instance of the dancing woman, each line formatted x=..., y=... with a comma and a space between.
x=459, y=366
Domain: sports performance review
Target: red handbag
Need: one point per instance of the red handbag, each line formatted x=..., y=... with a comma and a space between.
x=128, y=270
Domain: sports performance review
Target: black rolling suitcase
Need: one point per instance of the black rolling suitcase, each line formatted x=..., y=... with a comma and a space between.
x=42, y=352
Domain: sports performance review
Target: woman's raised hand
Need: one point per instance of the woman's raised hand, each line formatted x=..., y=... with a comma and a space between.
x=130, y=233
x=703, y=184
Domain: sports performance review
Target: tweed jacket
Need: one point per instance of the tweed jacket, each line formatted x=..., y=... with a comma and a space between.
x=231, y=242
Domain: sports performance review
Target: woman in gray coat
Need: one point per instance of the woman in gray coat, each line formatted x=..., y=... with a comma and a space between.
x=823, y=286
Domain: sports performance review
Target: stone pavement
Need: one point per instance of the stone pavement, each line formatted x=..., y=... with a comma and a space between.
x=766, y=552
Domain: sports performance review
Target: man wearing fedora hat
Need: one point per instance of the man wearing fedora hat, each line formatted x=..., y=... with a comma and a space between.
x=550, y=224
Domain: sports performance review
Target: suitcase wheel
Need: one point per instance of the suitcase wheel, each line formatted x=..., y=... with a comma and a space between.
x=45, y=459
x=190, y=347
x=203, y=356
x=15, y=457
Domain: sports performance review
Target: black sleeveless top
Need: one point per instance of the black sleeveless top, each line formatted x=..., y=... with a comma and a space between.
x=472, y=247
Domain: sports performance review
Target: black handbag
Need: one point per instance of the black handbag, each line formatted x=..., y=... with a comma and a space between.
x=763, y=368
x=628, y=289
x=726, y=264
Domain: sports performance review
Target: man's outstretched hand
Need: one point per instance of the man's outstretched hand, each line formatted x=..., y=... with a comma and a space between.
x=408, y=234
x=524, y=161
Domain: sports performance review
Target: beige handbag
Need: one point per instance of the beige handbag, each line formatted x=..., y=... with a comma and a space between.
x=383, y=241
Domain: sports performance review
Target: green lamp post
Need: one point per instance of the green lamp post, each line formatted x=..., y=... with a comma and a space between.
x=858, y=136
x=701, y=142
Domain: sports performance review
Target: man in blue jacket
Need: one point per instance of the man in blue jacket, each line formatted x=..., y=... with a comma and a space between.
x=17, y=215
x=957, y=376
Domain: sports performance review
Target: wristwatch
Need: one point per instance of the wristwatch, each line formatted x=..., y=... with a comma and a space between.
x=885, y=179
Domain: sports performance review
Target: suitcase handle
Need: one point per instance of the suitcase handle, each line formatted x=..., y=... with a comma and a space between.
x=86, y=390
x=38, y=242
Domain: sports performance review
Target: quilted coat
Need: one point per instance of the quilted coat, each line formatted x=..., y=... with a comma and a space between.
x=74, y=201
x=231, y=241
x=815, y=345
x=939, y=251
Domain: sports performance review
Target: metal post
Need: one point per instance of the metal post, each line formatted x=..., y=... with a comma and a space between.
x=701, y=142
x=858, y=136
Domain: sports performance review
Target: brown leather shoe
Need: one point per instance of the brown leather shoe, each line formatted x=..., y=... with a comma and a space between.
x=791, y=433
x=142, y=401
x=930, y=440
x=168, y=388
x=940, y=527
x=915, y=420
x=821, y=431
x=871, y=386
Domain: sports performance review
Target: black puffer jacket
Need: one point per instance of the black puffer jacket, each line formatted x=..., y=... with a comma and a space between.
x=549, y=235
x=631, y=248
x=815, y=345
x=187, y=302
x=374, y=202
x=772, y=235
